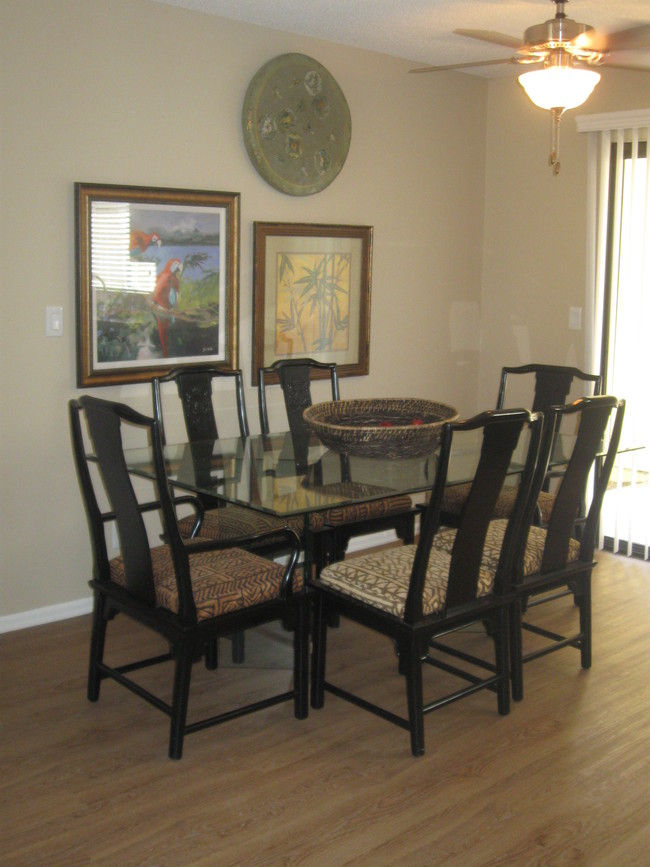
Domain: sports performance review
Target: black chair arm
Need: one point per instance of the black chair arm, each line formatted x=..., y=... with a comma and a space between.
x=198, y=507
x=154, y=505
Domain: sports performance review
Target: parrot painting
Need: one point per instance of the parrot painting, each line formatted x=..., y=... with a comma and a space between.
x=139, y=241
x=166, y=295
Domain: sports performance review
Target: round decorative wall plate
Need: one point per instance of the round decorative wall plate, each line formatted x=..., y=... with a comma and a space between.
x=296, y=124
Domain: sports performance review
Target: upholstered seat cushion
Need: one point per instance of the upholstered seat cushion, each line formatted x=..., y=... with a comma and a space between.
x=444, y=541
x=222, y=581
x=354, y=513
x=236, y=522
x=382, y=579
x=455, y=496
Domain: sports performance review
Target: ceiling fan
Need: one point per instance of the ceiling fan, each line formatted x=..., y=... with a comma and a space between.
x=567, y=51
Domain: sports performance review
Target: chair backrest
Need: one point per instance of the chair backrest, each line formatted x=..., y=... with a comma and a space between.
x=552, y=384
x=104, y=421
x=593, y=415
x=501, y=435
x=295, y=376
x=194, y=385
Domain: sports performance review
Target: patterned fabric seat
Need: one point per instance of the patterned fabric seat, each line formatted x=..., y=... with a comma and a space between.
x=456, y=495
x=222, y=581
x=235, y=522
x=358, y=512
x=444, y=541
x=382, y=579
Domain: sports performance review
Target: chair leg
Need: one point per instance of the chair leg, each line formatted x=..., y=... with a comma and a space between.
x=584, y=601
x=401, y=658
x=301, y=659
x=319, y=650
x=212, y=654
x=501, y=660
x=237, y=646
x=97, y=642
x=413, y=672
x=182, y=675
x=405, y=529
x=516, y=651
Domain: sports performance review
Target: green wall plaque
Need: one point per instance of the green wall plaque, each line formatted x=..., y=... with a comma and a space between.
x=296, y=124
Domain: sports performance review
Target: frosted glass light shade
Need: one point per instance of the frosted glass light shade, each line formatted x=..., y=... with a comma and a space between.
x=559, y=86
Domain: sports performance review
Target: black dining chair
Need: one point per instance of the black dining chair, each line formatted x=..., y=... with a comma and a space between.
x=190, y=592
x=194, y=386
x=554, y=561
x=330, y=530
x=551, y=562
x=537, y=386
x=414, y=593
x=220, y=521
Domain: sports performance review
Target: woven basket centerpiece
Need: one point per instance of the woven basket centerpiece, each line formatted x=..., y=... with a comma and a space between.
x=399, y=427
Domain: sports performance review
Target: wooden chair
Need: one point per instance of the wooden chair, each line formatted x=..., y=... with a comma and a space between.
x=330, y=531
x=552, y=384
x=546, y=385
x=220, y=521
x=190, y=592
x=194, y=385
x=550, y=561
x=415, y=593
x=554, y=562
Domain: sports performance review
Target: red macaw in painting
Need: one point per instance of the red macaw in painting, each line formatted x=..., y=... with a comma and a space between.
x=165, y=295
x=139, y=241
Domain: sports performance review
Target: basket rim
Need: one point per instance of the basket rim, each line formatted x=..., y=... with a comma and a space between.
x=310, y=414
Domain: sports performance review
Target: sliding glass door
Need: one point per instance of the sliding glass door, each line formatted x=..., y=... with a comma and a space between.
x=625, y=345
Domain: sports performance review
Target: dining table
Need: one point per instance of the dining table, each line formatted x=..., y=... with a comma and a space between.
x=284, y=475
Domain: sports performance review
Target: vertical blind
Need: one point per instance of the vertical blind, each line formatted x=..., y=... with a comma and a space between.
x=618, y=309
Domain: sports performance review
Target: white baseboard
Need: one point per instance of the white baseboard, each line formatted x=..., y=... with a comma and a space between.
x=65, y=610
x=38, y=616
x=372, y=540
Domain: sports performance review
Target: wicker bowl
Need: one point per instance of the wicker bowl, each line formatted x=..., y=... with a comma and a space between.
x=380, y=427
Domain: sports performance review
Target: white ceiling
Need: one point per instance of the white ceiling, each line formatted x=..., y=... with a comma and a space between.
x=422, y=30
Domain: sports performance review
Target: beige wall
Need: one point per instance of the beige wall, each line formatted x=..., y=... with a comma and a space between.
x=534, y=259
x=449, y=170
x=133, y=92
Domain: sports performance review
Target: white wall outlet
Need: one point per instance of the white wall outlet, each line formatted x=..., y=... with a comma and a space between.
x=54, y=321
x=575, y=318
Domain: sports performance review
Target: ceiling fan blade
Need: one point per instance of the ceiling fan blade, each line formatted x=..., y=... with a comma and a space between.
x=462, y=65
x=623, y=40
x=491, y=36
x=637, y=68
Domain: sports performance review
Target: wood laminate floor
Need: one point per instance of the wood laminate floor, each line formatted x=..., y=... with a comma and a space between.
x=564, y=779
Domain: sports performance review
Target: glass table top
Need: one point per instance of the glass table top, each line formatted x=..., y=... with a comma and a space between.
x=276, y=474
x=284, y=475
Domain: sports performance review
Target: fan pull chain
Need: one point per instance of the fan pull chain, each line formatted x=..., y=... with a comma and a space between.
x=554, y=158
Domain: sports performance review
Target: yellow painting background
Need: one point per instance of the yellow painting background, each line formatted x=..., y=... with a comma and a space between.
x=312, y=303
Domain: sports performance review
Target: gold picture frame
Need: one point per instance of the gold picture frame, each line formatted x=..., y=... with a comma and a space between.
x=157, y=281
x=311, y=290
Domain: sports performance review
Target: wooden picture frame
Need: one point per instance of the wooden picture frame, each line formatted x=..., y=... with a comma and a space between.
x=311, y=289
x=157, y=281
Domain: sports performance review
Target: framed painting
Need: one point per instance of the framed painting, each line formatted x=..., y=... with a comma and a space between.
x=157, y=281
x=312, y=295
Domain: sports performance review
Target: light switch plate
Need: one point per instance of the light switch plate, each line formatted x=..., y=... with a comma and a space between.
x=575, y=318
x=54, y=321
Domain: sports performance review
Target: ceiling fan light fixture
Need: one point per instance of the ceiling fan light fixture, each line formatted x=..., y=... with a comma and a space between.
x=559, y=86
